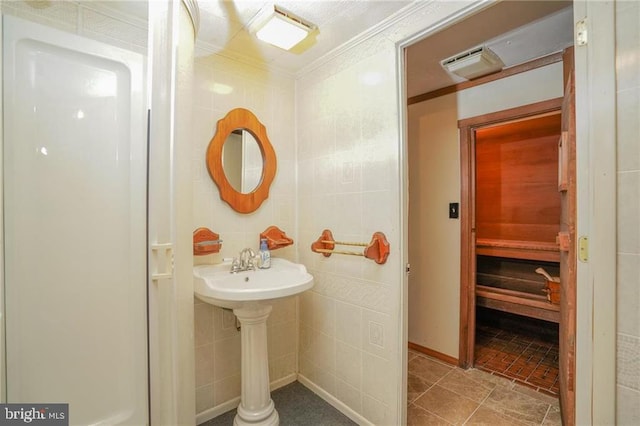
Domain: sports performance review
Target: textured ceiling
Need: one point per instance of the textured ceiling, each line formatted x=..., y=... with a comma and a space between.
x=223, y=28
x=517, y=31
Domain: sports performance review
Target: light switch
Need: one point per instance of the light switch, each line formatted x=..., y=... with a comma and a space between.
x=454, y=210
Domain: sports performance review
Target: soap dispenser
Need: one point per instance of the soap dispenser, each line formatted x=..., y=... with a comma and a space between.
x=265, y=255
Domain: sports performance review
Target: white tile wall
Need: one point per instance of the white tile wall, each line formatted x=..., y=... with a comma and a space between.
x=627, y=407
x=628, y=285
x=348, y=159
x=84, y=18
x=220, y=85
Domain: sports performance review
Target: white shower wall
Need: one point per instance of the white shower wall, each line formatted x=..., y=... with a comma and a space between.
x=113, y=24
x=74, y=143
x=220, y=85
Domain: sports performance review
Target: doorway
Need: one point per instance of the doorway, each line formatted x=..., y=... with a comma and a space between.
x=595, y=159
x=450, y=105
x=520, y=204
x=509, y=310
x=510, y=214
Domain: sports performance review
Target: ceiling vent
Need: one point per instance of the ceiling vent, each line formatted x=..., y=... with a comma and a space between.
x=474, y=63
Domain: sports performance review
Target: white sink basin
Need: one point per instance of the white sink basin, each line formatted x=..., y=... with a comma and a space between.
x=216, y=285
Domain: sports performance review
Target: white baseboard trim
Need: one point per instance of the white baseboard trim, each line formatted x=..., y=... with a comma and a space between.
x=210, y=413
x=277, y=384
x=336, y=403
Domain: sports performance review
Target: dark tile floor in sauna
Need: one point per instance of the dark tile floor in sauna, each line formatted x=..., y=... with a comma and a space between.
x=519, y=348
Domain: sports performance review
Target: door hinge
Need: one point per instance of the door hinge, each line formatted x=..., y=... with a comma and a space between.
x=581, y=33
x=407, y=268
x=162, y=256
x=583, y=249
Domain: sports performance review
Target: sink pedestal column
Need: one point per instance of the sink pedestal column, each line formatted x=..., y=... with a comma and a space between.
x=256, y=406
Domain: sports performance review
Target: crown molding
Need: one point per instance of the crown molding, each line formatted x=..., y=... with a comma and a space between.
x=399, y=16
x=380, y=27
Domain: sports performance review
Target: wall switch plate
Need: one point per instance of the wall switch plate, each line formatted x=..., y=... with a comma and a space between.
x=454, y=210
x=376, y=334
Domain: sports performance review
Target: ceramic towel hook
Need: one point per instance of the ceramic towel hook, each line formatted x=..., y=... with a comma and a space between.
x=276, y=238
x=205, y=241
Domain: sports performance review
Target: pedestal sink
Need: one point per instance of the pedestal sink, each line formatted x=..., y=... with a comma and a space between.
x=250, y=294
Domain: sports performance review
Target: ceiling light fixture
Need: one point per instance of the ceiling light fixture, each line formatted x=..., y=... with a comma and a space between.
x=474, y=63
x=281, y=28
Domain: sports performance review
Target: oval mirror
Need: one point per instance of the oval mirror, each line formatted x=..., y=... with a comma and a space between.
x=244, y=189
x=242, y=161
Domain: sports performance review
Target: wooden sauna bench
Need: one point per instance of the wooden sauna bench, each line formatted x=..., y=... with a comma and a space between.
x=512, y=285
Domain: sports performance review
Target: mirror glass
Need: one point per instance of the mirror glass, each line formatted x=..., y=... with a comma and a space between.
x=242, y=161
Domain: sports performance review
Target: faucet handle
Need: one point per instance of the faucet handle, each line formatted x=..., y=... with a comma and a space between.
x=257, y=261
x=251, y=264
x=235, y=265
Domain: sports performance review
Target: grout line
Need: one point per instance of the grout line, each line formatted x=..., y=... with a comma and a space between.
x=545, y=415
x=481, y=404
x=434, y=414
x=471, y=415
x=418, y=397
x=421, y=378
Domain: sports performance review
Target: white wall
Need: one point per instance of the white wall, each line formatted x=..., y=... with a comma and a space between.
x=221, y=85
x=434, y=182
x=628, y=127
x=86, y=18
x=434, y=239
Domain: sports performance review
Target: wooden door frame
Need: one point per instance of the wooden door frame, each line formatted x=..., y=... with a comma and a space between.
x=467, y=128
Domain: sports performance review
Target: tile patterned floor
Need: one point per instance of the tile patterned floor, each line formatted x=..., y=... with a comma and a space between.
x=528, y=359
x=441, y=394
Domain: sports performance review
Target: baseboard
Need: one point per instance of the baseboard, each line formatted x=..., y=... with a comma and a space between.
x=213, y=412
x=336, y=403
x=206, y=415
x=434, y=354
x=277, y=384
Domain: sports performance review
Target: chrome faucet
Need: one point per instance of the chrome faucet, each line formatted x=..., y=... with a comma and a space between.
x=244, y=262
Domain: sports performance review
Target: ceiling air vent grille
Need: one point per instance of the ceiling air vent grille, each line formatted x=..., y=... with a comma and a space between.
x=473, y=63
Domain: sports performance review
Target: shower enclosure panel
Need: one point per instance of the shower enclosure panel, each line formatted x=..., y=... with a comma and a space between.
x=74, y=180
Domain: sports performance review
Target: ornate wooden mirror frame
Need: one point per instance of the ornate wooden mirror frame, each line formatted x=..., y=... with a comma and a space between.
x=240, y=118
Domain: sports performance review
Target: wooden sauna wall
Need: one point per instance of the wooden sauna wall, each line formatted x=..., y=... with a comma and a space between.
x=517, y=215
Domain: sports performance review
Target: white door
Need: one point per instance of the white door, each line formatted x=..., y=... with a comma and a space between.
x=75, y=225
